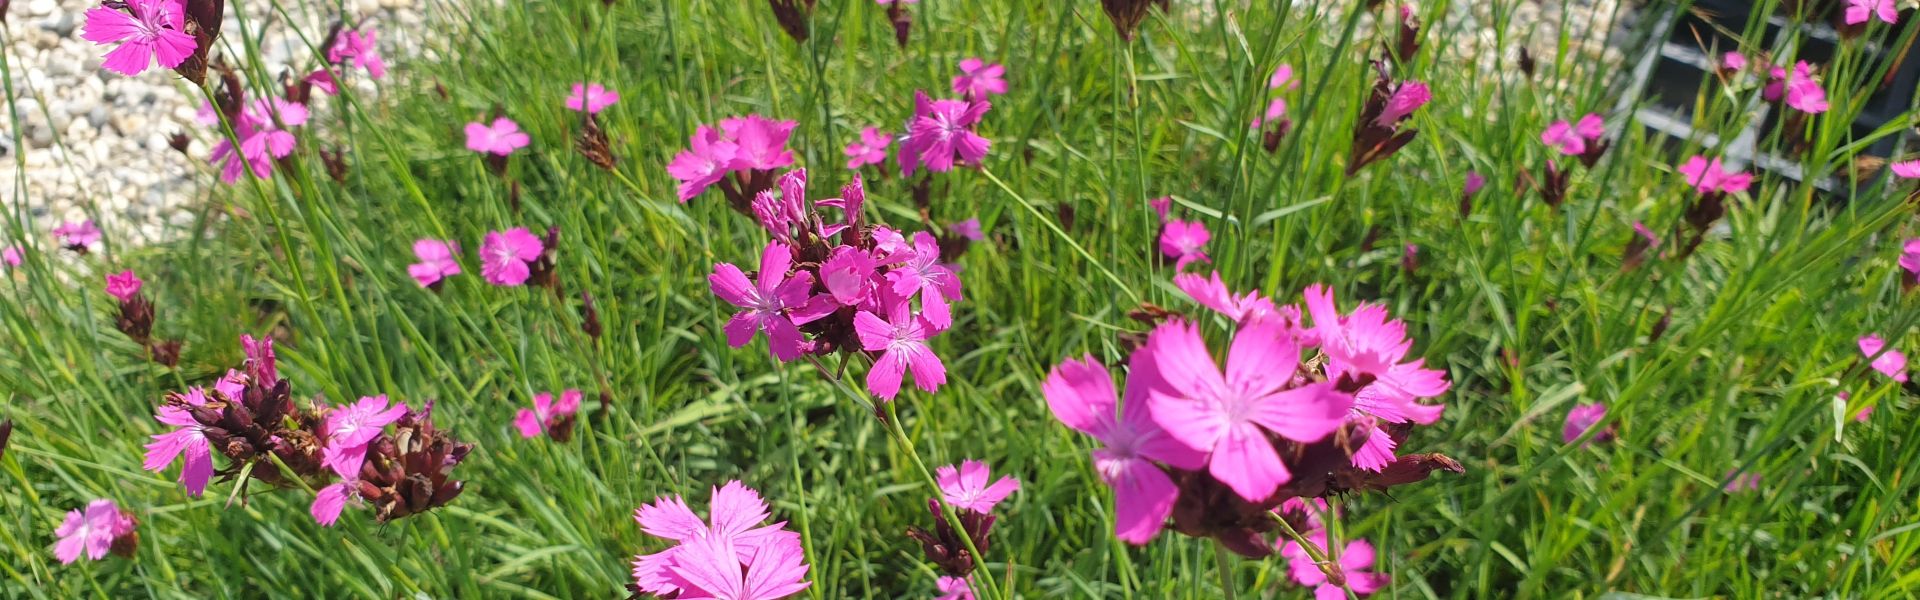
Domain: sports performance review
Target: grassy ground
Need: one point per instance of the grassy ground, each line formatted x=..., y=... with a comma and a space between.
x=1524, y=305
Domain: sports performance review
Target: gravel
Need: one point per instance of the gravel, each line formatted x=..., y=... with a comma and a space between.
x=96, y=142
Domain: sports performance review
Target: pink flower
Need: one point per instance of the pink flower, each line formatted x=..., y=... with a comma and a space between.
x=77, y=236
x=1733, y=61
x=1353, y=564
x=761, y=142
x=1213, y=293
x=979, y=80
x=11, y=255
x=92, y=532
x=331, y=500
x=968, y=230
x=1080, y=394
x=1740, y=482
x=260, y=362
x=1185, y=242
x=776, y=303
x=1276, y=111
x=1572, y=139
x=350, y=429
x=436, y=261
x=123, y=285
x=500, y=139
x=1408, y=96
x=951, y=588
x=1708, y=177
x=1231, y=414
x=152, y=32
x=1906, y=169
x=1282, y=77
x=187, y=438
x=505, y=256
x=729, y=559
x=358, y=49
x=703, y=164
x=966, y=488
x=1368, y=342
x=902, y=340
x=1802, y=92
x=1581, y=419
x=591, y=98
x=923, y=274
x=1910, y=257
x=1891, y=363
x=545, y=412
x=849, y=275
x=1858, y=11
x=941, y=134
x=1474, y=182
x=1161, y=205
x=870, y=149
x=261, y=129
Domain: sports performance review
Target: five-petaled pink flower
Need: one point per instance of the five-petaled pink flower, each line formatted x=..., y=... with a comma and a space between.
x=1799, y=88
x=329, y=501
x=1161, y=206
x=1185, y=242
x=148, y=31
x=12, y=256
x=924, y=275
x=188, y=438
x=966, y=488
x=1907, y=169
x=1581, y=419
x=1408, y=96
x=704, y=163
x=775, y=303
x=1859, y=11
x=1080, y=393
x=901, y=338
x=1572, y=139
x=505, y=256
x=1282, y=77
x=941, y=134
x=1709, y=177
x=952, y=588
x=91, y=532
x=262, y=131
x=591, y=98
x=500, y=139
x=1367, y=342
x=731, y=558
x=760, y=143
x=532, y=422
x=77, y=235
x=359, y=49
x=979, y=80
x=1352, y=566
x=123, y=285
x=870, y=149
x=350, y=429
x=1231, y=414
x=436, y=261
x=1891, y=363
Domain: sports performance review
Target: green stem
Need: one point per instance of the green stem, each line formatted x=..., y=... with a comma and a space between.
x=1224, y=564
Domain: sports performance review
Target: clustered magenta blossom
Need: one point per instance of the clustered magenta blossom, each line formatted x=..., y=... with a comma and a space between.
x=548, y=416
x=827, y=285
x=730, y=556
x=978, y=80
x=1891, y=363
x=591, y=98
x=940, y=134
x=739, y=156
x=1332, y=581
x=870, y=149
x=1798, y=87
x=1859, y=11
x=1216, y=448
x=262, y=132
x=94, y=532
x=148, y=31
x=79, y=236
x=965, y=489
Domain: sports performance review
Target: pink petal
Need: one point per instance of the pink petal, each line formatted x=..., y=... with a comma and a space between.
x=1143, y=496
x=1245, y=461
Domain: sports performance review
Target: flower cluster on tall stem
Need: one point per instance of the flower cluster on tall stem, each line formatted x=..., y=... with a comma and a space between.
x=1711, y=183
x=940, y=134
x=148, y=31
x=739, y=156
x=966, y=490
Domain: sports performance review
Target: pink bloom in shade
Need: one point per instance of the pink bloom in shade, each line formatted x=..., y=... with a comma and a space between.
x=775, y=303
x=1740, y=482
x=703, y=164
x=261, y=129
x=1581, y=419
x=123, y=285
x=966, y=488
x=923, y=274
x=351, y=428
x=1858, y=11
x=80, y=234
x=870, y=149
x=1282, y=78
x=902, y=340
x=953, y=588
x=709, y=559
x=1213, y=293
x=1906, y=169
x=1910, y=256
x=151, y=33
x=941, y=134
x=1408, y=96
x=1891, y=363
x=11, y=255
x=1161, y=205
x=1353, y=566
x=91, y=532
x=501, y=138
x=1733, y=61
x=968, y=229
x=505, y=255
x=1708, y=177
x=978, y=80
x=359, y=49
x=1080, y=393
x=1474, y=182
x=591, y=98
x=1185, y=242
x=1799, y=88
x=436, y=261
x=1230, y=414
x=761, y=142
x=188, y=438
x=532, y=422
x=331, y=500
